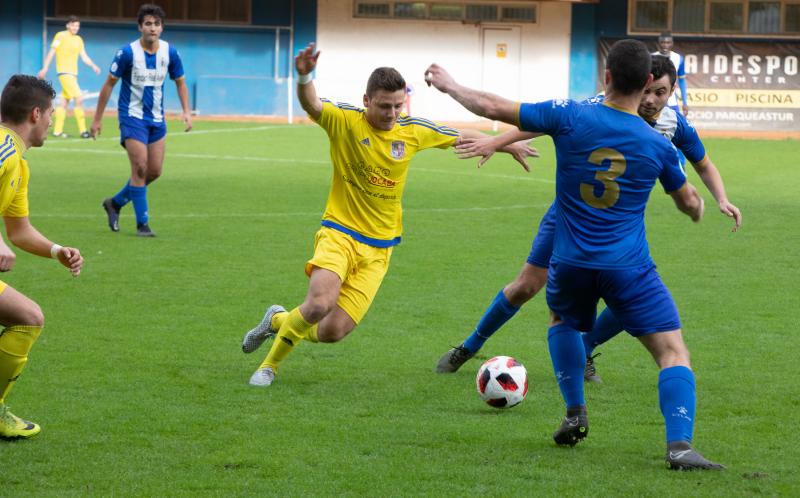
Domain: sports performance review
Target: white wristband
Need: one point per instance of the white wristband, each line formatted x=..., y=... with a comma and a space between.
x=304, y=79
x=54, y=250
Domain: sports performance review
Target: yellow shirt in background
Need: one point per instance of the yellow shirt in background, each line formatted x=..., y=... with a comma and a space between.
x=68, y=48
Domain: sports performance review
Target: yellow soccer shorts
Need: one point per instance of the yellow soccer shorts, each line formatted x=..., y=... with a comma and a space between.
x=360, y=267
x=69, y=86
x=3, y=286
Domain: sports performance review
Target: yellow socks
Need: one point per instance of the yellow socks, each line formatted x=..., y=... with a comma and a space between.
x=15, y=343
x=294, y=329
x=279, y=318
x=61, y=115
x=80, y=119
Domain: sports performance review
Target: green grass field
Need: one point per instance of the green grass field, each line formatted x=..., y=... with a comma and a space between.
x=141, y=388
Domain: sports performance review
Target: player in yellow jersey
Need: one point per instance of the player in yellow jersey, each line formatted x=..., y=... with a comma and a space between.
x=26, y=107
x=66, y=48
x=370, y=150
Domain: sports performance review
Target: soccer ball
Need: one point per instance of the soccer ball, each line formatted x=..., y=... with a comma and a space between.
x=502, y=382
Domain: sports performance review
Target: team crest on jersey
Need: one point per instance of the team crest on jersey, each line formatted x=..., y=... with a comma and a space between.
x=365, y=142
x=398, y=149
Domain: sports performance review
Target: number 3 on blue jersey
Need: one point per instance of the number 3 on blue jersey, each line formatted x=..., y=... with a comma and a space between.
x=610, y=187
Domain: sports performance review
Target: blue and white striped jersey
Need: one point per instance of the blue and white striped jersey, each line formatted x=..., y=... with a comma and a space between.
x=143, y=75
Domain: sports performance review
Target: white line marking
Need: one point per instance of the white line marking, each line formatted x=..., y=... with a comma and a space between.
x=187, y=134
x=519, y=177
x=298, y=213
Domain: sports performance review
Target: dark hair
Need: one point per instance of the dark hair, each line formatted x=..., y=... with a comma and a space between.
x=72, y=19
x=629, y=64
x=661, y=65
x=21, y=95
x=385, y=78
x=665, y=34
x=150, y=9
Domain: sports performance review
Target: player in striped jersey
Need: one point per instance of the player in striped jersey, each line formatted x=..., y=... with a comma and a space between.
x=26, y=106
x=143, y=67
x=371, y=148
x=665, y=44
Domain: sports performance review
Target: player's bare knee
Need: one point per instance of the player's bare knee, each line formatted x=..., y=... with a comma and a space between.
x=316, y=308
x=32, y=315
x=555, y=319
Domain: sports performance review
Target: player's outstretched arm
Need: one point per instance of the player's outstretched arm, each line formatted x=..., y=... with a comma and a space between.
x=514, y=142
x=183, y=95
x=102, y=100
x=47, y=60
x=305, y=63
x=688, y=201
x=712, y=179
x=86, y=60
x=23, y=235
x=483, y=104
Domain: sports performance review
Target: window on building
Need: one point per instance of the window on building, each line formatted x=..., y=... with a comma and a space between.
x=688, y=16
x=447, y=11
x=410, y=10
x=792, y=18
x=651, y=15
x=743, y=18
x=472, y=12
x=177, y=11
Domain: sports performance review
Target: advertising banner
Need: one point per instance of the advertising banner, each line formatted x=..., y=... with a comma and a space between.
x=738, y=86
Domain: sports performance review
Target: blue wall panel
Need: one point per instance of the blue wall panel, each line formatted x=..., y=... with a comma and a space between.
x=229, y=70
x=9, y=39
x=583, y=53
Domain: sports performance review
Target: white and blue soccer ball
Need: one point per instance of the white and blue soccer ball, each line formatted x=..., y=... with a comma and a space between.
x=502, y=382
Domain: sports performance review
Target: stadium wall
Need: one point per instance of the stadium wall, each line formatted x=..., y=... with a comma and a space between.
x=229, y=69
x=353, y=47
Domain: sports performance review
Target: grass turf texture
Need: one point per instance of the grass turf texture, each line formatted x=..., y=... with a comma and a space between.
x=141, y=388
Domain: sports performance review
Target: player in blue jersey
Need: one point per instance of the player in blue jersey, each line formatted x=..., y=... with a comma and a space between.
x=532, y=278
x=143, y=67
x=608, y=160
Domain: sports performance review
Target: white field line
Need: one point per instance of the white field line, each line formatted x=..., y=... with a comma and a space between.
x=317, y=214
x=521, y=177
x=182, y=134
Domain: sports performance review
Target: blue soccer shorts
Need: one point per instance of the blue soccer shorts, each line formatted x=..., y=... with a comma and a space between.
x=637, y=297
x=542, y=247
x=140, y=130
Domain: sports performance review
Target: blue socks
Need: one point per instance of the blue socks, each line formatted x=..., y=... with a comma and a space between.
x=123, y=196
x=605, y=328
x=139, y=197
x=676, y=397
x=569, y=359
x=498, y=313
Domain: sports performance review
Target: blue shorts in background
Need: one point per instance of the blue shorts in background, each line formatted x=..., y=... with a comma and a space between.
x=140, y=130
x=637, y=297
x=542, y=247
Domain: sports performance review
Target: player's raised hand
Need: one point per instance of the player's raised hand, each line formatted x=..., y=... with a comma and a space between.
x=72, y=259
x=439, y=78
x=306, y=60
x=95, y=69
x=732, y=211
x=187, y=121
x=7, y=258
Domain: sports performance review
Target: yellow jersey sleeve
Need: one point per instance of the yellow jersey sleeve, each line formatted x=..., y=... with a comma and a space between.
x=336, y=119
x=57, y=40
x=18, y=207
x=432, y=135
